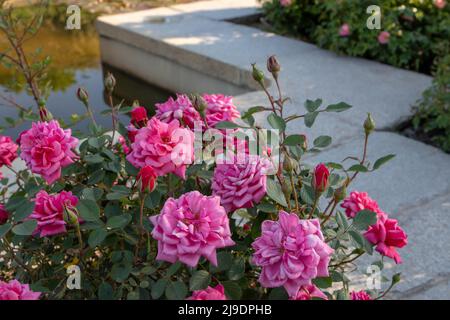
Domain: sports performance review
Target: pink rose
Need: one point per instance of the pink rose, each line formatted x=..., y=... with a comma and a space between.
x=49, y=212
x=4, y=215
x=8, y=151
x=360, y=295
x=220, y=108
x=291, y=253
x=440, y=4
x=241, y=183
x=358, y=201
x=383, y=37
x=217, y=293
x=190, y=227
x=344, y=30
x=308, y=292
x=180, y=109
x=166, y=147
x=47, y=148
x=14, y=290
x=285, y=3
x=387, y=236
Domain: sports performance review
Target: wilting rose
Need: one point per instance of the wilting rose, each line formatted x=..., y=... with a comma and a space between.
x=147, y=178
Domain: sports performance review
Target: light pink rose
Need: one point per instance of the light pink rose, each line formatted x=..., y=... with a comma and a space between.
x=387, y=236
x=241, y=183
x=217, y=293
x=291, y=253
x=8, y=151
x=47, y=148
x=48, y=212
x=190, y=227
x=166, y=147
x=14, y=290
x=358, y=201
x=285, y=3
x=4, y=215
x=180, y=109
x=383, y=37
x=440, y=4
x=220, y=108
x=308, y=292
x=344, y=30
x=360, y=295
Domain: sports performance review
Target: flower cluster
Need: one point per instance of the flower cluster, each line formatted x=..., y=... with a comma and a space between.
x=14, y=290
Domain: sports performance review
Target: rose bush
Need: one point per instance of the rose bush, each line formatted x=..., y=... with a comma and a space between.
x=146, y=211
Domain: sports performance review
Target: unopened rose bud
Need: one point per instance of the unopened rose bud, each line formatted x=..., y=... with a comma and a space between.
x=369, y=124
x=139, y=117
x=287, y=189
x=340, y=193
x=198, y=103
x=320, y=178
x=110, y=82
x=147, y=179
x=304, y=145
x=289, y=164
x=71, y=215
x=273, y=66
x=258, y=75
x=44, y=114
x=83, y=96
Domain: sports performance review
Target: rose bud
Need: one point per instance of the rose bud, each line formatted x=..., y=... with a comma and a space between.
x=273, y=66
x=139, y=117
x=70, y=215
x=369, y=124
x=320, y=178
x=110, y=82
x=258, y=75
x=44, y=114
x=147, y=179
x=83, y=96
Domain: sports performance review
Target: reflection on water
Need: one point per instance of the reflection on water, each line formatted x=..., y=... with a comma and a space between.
x=75, y=63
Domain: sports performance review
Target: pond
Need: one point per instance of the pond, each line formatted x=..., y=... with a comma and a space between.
x=76, y=62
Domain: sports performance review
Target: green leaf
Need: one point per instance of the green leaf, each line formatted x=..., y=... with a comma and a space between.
x=120, y=271
x=224, y=262
x=364, y=219
x=226, y=125
x=88, y=210
x=338, y=107
x=173, y=269
x=4, y=229
x=96, y=237
x=278, y=294
x=199, y=280
x=341, y=220
x=232, y=290
x=176, y=290
x=118, y=222
x=310, y=118
x=251, y=111
x=153, y=199
x=307, y=194
x=275, y=193
x=118, y=192
x=276, y=122
x=23, y=211
x=358, y=168
x=158, y=288
x=25, y=228
x=323, y=282
x=295, y=139
x=96, y=177
x=237, y=269
x=312, y=106
x=322, y=141
x=267, y=207
x=93, y=158
x=105, y=291
x=382, y=161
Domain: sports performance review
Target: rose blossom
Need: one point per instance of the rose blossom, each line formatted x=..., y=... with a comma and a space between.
x=240, y=182
x=320, y=178
x=47, y=148
x=440, y=4
x=387, y=236
x=360, y=295
x=166, y=147
x=123, y=145
x=139, y=117
x=189, y=227
x=217, y=293
x=285, y=3
x=220, y=108
x=48, y=212
x=383, y=37
x=180, y=109
x=291, y=253
x=308, y=292
x=4, y=215
x=14, y=290
x=344, y=30
x=358, y=201
x=147, y=178
x=8, y=151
